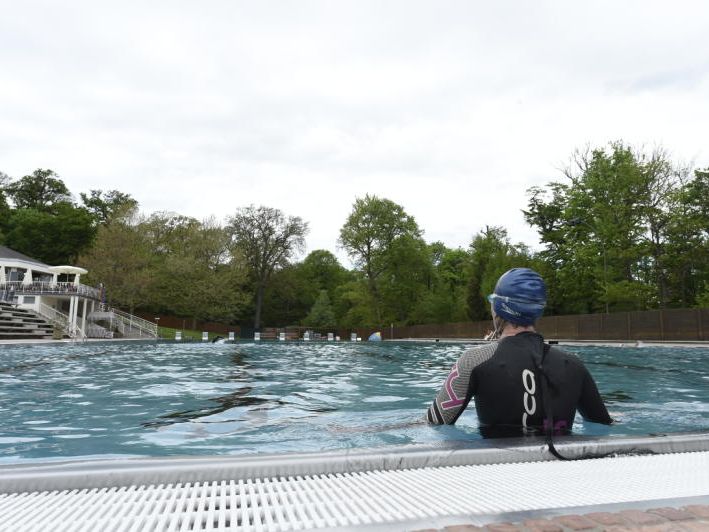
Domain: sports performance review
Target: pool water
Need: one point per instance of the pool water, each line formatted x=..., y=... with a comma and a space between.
x=92, y=400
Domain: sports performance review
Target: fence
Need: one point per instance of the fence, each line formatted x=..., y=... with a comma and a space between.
x=190, y=324
x=659, y=325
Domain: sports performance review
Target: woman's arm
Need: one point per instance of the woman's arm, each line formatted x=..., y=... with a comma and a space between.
x=591, y=405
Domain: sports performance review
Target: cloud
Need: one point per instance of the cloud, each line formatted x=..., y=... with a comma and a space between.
x=450, y=109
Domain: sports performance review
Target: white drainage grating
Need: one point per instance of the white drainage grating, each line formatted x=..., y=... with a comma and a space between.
x=353, y=500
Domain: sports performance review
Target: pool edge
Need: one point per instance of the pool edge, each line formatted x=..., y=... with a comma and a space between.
x=82, y=474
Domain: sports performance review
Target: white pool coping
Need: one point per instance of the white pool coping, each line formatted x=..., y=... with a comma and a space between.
x=398, y=488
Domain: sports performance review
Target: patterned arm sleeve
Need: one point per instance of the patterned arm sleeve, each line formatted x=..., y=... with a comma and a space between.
x=458, y=388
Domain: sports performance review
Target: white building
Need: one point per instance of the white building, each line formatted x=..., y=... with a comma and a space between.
x=56, y=294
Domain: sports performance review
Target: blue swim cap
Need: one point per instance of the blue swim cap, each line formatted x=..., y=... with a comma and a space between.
x=520, y=296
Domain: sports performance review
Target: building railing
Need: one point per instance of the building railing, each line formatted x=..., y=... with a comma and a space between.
x=10, y=288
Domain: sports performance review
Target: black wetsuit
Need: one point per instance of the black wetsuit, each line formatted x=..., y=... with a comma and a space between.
x=504, y=378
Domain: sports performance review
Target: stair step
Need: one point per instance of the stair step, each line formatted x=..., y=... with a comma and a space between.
x=20, y=323
x=29, y=329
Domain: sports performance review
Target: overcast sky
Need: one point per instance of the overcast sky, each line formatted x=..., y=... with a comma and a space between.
x=450, y=109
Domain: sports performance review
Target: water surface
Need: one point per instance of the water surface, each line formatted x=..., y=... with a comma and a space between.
x=156, y=399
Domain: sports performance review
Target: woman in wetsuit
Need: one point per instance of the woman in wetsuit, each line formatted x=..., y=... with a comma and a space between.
x=505, y=376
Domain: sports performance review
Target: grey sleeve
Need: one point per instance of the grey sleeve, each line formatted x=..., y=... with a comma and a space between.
x=458, y=388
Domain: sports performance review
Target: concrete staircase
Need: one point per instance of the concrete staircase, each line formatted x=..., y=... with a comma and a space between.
x=18, y=323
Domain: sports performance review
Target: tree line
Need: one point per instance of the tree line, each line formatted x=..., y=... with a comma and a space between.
x=624, y=229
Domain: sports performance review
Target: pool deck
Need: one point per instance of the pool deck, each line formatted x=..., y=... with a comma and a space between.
x=691, y=517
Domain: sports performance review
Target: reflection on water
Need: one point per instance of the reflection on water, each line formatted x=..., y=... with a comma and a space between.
x=615, y=397
x=239, y=397
x=635, y=367
x=157, y=399
x=45, y=361
x=238, y=359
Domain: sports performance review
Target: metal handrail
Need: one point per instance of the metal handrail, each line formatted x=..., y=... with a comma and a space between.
x=59, y=319
x=134, y=322
x=53, y=314
x=76, y=332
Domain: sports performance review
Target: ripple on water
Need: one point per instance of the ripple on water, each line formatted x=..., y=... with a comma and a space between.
x=9, y=440
x=383, y=399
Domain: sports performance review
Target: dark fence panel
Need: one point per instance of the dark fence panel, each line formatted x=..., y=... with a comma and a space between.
x=615, y=326
x=646, y=325
x=190, y=324
x=678, y=324
x=660, y=325
x=590, y=326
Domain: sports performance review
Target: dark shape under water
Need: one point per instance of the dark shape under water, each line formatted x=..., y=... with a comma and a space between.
x=617, y=396
x=225, y=402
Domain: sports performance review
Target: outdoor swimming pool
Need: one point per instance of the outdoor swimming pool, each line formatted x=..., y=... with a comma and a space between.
x=105, y=400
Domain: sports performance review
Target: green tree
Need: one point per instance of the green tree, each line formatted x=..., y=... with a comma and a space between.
x=687, y=248
x=608, y=229
x=383, y=242
x=445, y=298
x=323, y=271
x=104, y=206
x=491, y=255
x=121, y=258
x=294, y=289
x=321, y=314
x=193, y=272
x=42, y=191
x=405, y=279
x=267, y=239
x=168, y=263
x=56, y=237
x=4, y=206
x=354, y=306
x=288, y=297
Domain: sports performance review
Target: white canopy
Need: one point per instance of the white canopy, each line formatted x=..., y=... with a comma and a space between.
x=67, y=269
